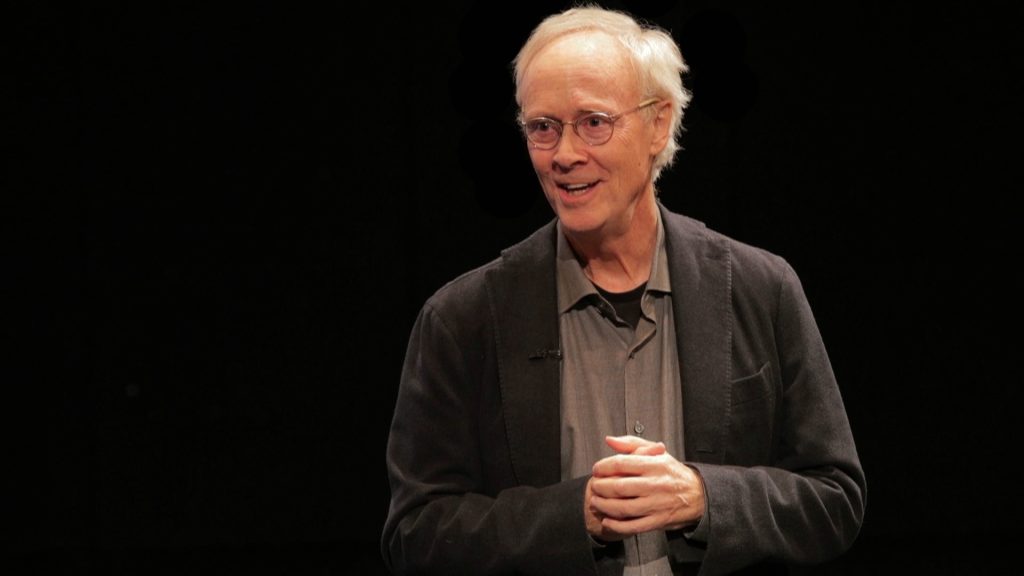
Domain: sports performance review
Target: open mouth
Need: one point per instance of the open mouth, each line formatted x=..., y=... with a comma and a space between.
x=576, y=189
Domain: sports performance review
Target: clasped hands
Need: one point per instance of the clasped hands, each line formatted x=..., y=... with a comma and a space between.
x=640, y=489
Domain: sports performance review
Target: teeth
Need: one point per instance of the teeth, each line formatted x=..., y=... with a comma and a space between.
x=575, y=187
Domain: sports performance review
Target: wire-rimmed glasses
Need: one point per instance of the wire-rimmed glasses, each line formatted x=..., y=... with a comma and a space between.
x=594, y=128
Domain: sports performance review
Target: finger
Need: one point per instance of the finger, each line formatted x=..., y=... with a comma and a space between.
x=629, y=508
x=630, y=444
x=626, y=465
x=672, y=508
x=631, y=526
x=621, y=486
x=654, y=450
x=646, y=513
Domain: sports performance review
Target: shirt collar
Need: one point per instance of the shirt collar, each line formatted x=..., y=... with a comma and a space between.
x=573, y=284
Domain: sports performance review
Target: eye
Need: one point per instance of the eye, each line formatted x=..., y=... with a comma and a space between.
x=540, y=126
x=595, y=121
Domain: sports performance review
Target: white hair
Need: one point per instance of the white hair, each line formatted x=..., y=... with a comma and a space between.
x=651, y=50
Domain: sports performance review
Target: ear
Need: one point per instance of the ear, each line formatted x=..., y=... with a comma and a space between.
x=662, y=123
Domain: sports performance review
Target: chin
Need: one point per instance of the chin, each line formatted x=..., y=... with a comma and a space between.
x=578, y=223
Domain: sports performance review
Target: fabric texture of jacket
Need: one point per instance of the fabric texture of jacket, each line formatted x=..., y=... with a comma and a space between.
x=474, y=457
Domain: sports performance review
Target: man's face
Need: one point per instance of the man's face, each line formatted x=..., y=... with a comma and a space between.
x=594, y=190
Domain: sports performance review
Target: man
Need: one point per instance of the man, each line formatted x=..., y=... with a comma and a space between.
x=626, y=391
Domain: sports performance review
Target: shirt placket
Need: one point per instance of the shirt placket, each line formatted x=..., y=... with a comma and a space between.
x=638, y=388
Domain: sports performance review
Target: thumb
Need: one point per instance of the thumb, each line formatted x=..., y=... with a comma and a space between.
x=634, y=445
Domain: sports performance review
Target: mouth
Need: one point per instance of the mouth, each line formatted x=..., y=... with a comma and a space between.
x=577, y=189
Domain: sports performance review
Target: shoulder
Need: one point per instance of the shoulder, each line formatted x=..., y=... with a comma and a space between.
x=760, y=284
x=469, y=294
x=748, y=264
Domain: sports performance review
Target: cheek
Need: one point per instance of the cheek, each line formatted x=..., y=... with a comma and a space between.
x=539, y=161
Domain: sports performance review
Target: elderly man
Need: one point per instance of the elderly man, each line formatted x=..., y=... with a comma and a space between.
x=625, y=391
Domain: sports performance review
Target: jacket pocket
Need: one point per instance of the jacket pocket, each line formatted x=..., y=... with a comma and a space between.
x=754, y=387
x=752, y=418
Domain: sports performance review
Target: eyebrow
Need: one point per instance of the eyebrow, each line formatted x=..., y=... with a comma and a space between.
x=580, y=112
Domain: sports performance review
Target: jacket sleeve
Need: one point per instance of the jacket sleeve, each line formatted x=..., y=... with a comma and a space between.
x=804, y=502
x=447, y=515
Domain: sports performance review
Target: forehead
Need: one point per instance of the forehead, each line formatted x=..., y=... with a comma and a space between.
x=579, y=67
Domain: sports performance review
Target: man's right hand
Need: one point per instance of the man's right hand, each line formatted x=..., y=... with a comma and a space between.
x=593, y=516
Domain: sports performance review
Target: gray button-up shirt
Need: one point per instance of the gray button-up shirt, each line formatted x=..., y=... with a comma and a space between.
x=618, y=381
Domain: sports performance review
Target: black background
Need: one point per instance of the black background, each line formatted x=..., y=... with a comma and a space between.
x=225, y=221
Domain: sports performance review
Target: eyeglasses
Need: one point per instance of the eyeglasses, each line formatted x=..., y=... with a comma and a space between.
x=594, y=128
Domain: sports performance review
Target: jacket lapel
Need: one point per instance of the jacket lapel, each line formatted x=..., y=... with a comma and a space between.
x=700, y=272
x=523, y=298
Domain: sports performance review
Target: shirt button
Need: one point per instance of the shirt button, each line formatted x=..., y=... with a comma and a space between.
x=638, y=427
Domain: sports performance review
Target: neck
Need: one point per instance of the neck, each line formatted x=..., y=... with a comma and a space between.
x=619, y=262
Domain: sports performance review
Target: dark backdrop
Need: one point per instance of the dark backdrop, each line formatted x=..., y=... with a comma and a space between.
x=230, y=217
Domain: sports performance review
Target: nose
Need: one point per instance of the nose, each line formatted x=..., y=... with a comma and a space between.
x=569, y=152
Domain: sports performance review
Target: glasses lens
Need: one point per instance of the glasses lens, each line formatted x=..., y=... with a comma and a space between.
x=595, y=128
x=542, y=132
